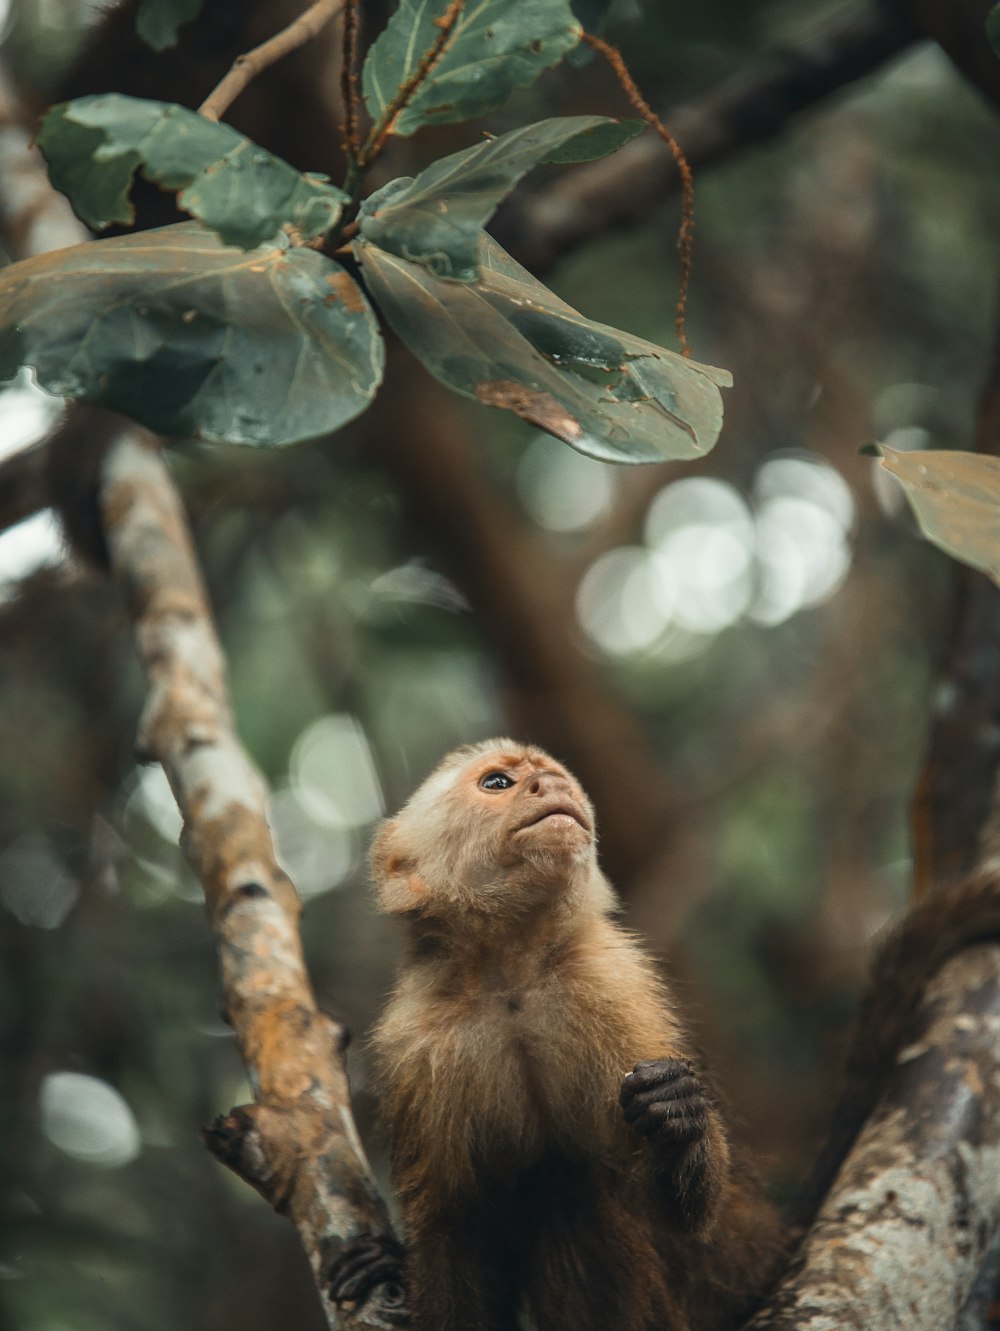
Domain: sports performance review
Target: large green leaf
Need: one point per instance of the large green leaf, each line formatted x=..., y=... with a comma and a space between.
x=956, y=499
x=157, y=21
x=191, y=337
x=95, y=145
x=436, y=218
x=509, y=342
x=496, y=46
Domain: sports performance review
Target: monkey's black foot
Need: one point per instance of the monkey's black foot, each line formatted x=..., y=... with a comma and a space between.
x=665, y=1101
x=366, y=1263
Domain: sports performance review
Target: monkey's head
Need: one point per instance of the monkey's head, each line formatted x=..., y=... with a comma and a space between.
x=499, y=828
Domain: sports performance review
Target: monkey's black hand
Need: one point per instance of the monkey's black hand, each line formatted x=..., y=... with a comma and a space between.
x=366, y=1263
x=665, y=1101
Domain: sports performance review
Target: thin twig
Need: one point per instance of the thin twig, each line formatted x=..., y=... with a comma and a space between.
x=349, y=77
x=382, y=130
x=685, y=234
x=246, y=67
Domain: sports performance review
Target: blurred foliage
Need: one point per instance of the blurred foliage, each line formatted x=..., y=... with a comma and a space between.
x=776, y=642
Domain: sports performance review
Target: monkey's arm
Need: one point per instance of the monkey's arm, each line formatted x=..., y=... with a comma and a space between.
x=665, y=1100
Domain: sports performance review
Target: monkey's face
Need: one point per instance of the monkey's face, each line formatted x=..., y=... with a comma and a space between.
x=529, y=809
x=497, y=827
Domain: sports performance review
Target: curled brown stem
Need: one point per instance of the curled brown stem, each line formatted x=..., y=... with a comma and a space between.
x=685, y=234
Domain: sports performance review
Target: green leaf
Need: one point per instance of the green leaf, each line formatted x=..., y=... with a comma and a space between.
x=956, y=499
x=509, y=342
x=157, y=21
x=600, y=141
x=437, y=217
x=95, y=145
x=191, y=337
x=496, y=46
x=993, y=28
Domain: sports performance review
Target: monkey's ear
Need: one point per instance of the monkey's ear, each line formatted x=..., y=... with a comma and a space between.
x=399, y=887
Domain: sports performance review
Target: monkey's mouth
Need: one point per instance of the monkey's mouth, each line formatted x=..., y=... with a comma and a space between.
x=564, y=810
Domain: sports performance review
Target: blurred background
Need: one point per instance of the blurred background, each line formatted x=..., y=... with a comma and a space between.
x=738, y=657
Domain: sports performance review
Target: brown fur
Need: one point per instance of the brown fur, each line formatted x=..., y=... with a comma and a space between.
x=501, y=1058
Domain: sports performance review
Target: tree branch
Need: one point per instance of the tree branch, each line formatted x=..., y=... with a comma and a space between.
x=297, y=1145
x=749, y=108
x=902, y=1235
x=246, y=67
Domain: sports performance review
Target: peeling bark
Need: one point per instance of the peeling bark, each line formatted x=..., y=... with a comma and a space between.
x=297, y=1145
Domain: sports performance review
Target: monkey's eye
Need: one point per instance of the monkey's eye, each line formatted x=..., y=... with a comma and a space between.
x=496, y=781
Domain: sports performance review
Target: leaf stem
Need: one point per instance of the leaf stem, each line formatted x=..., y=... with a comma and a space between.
x=349, y=78
x=685, y=233
x=246, y=67
x=383, y=128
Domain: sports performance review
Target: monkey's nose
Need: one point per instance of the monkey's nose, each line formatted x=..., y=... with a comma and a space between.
x=549, y=783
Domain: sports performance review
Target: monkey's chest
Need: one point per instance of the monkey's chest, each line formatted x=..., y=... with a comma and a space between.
x=517, y=1075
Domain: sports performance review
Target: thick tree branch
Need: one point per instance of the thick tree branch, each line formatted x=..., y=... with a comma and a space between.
x=751, y=107
x=903, y=1233
x=297, y=1144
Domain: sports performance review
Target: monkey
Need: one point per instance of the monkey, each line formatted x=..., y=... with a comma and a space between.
x=525, y=1181
x=557, y=1152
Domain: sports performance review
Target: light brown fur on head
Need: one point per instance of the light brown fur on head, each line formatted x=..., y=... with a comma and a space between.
x=456, y=846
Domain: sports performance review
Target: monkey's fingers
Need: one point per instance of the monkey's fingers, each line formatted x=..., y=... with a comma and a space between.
x=678, y=1125
x=657, y=1072
x=685, y=1101
x=660, y=1069
x=370, y=1260
x=667, y=1080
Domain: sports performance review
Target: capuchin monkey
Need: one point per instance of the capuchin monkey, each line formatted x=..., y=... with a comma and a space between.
x=559, y=1160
